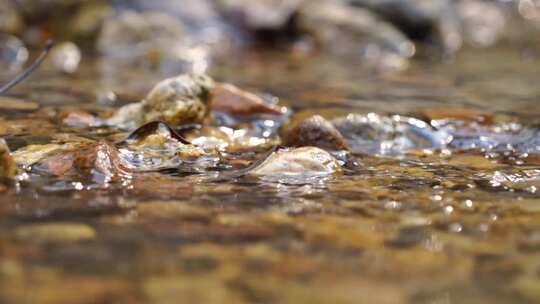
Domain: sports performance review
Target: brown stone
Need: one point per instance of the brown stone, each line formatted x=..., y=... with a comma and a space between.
x=315, y=131
x=8, y=168
x=77, y=119
x=232, y=100
x=459, y=114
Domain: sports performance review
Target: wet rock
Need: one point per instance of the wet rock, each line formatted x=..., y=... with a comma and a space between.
x=243, y=138
x=374, y=134
x=93, y=162
x=209, y=138
x=306, y=161
x=229, y=99
x=8, y=168
x=78, y=119
x=65, y=57
x=157, y=146
x=55, y=232
x=10, y=20
x=180, y=100
x=503, y=137
x=127, y=117
x=100, y=161
x=184, y=99
x=33, y=153
x=315, y=131
x=13, y=53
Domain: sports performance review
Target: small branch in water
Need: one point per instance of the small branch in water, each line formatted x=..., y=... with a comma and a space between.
x=28, y=70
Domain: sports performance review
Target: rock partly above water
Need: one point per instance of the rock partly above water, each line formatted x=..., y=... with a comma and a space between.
x=230, y=99
x=374, y=134
x=314, y=131
x=180, y=100
x=305, y=161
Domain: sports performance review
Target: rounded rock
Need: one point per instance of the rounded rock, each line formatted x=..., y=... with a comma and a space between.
x=315, y=131
x=306, y=161
x=180, y=100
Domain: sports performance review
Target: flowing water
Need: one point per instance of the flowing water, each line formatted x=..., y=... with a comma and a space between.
x=439, y=202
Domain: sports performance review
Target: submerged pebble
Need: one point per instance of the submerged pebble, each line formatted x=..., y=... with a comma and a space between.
x=156, y=146
x=304, y=161
x=55, y=232
x=17, y=104
x=374, y=134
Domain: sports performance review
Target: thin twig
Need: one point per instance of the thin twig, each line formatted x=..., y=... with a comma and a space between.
x=28, y=70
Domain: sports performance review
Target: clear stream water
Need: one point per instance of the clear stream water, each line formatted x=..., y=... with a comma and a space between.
x=433, y=206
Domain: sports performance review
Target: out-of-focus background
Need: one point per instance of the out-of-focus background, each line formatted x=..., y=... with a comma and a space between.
x=175, y=36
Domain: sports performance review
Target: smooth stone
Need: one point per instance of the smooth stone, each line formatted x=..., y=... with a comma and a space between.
x=229, y=99
x=315, y=131
x=307, y=161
